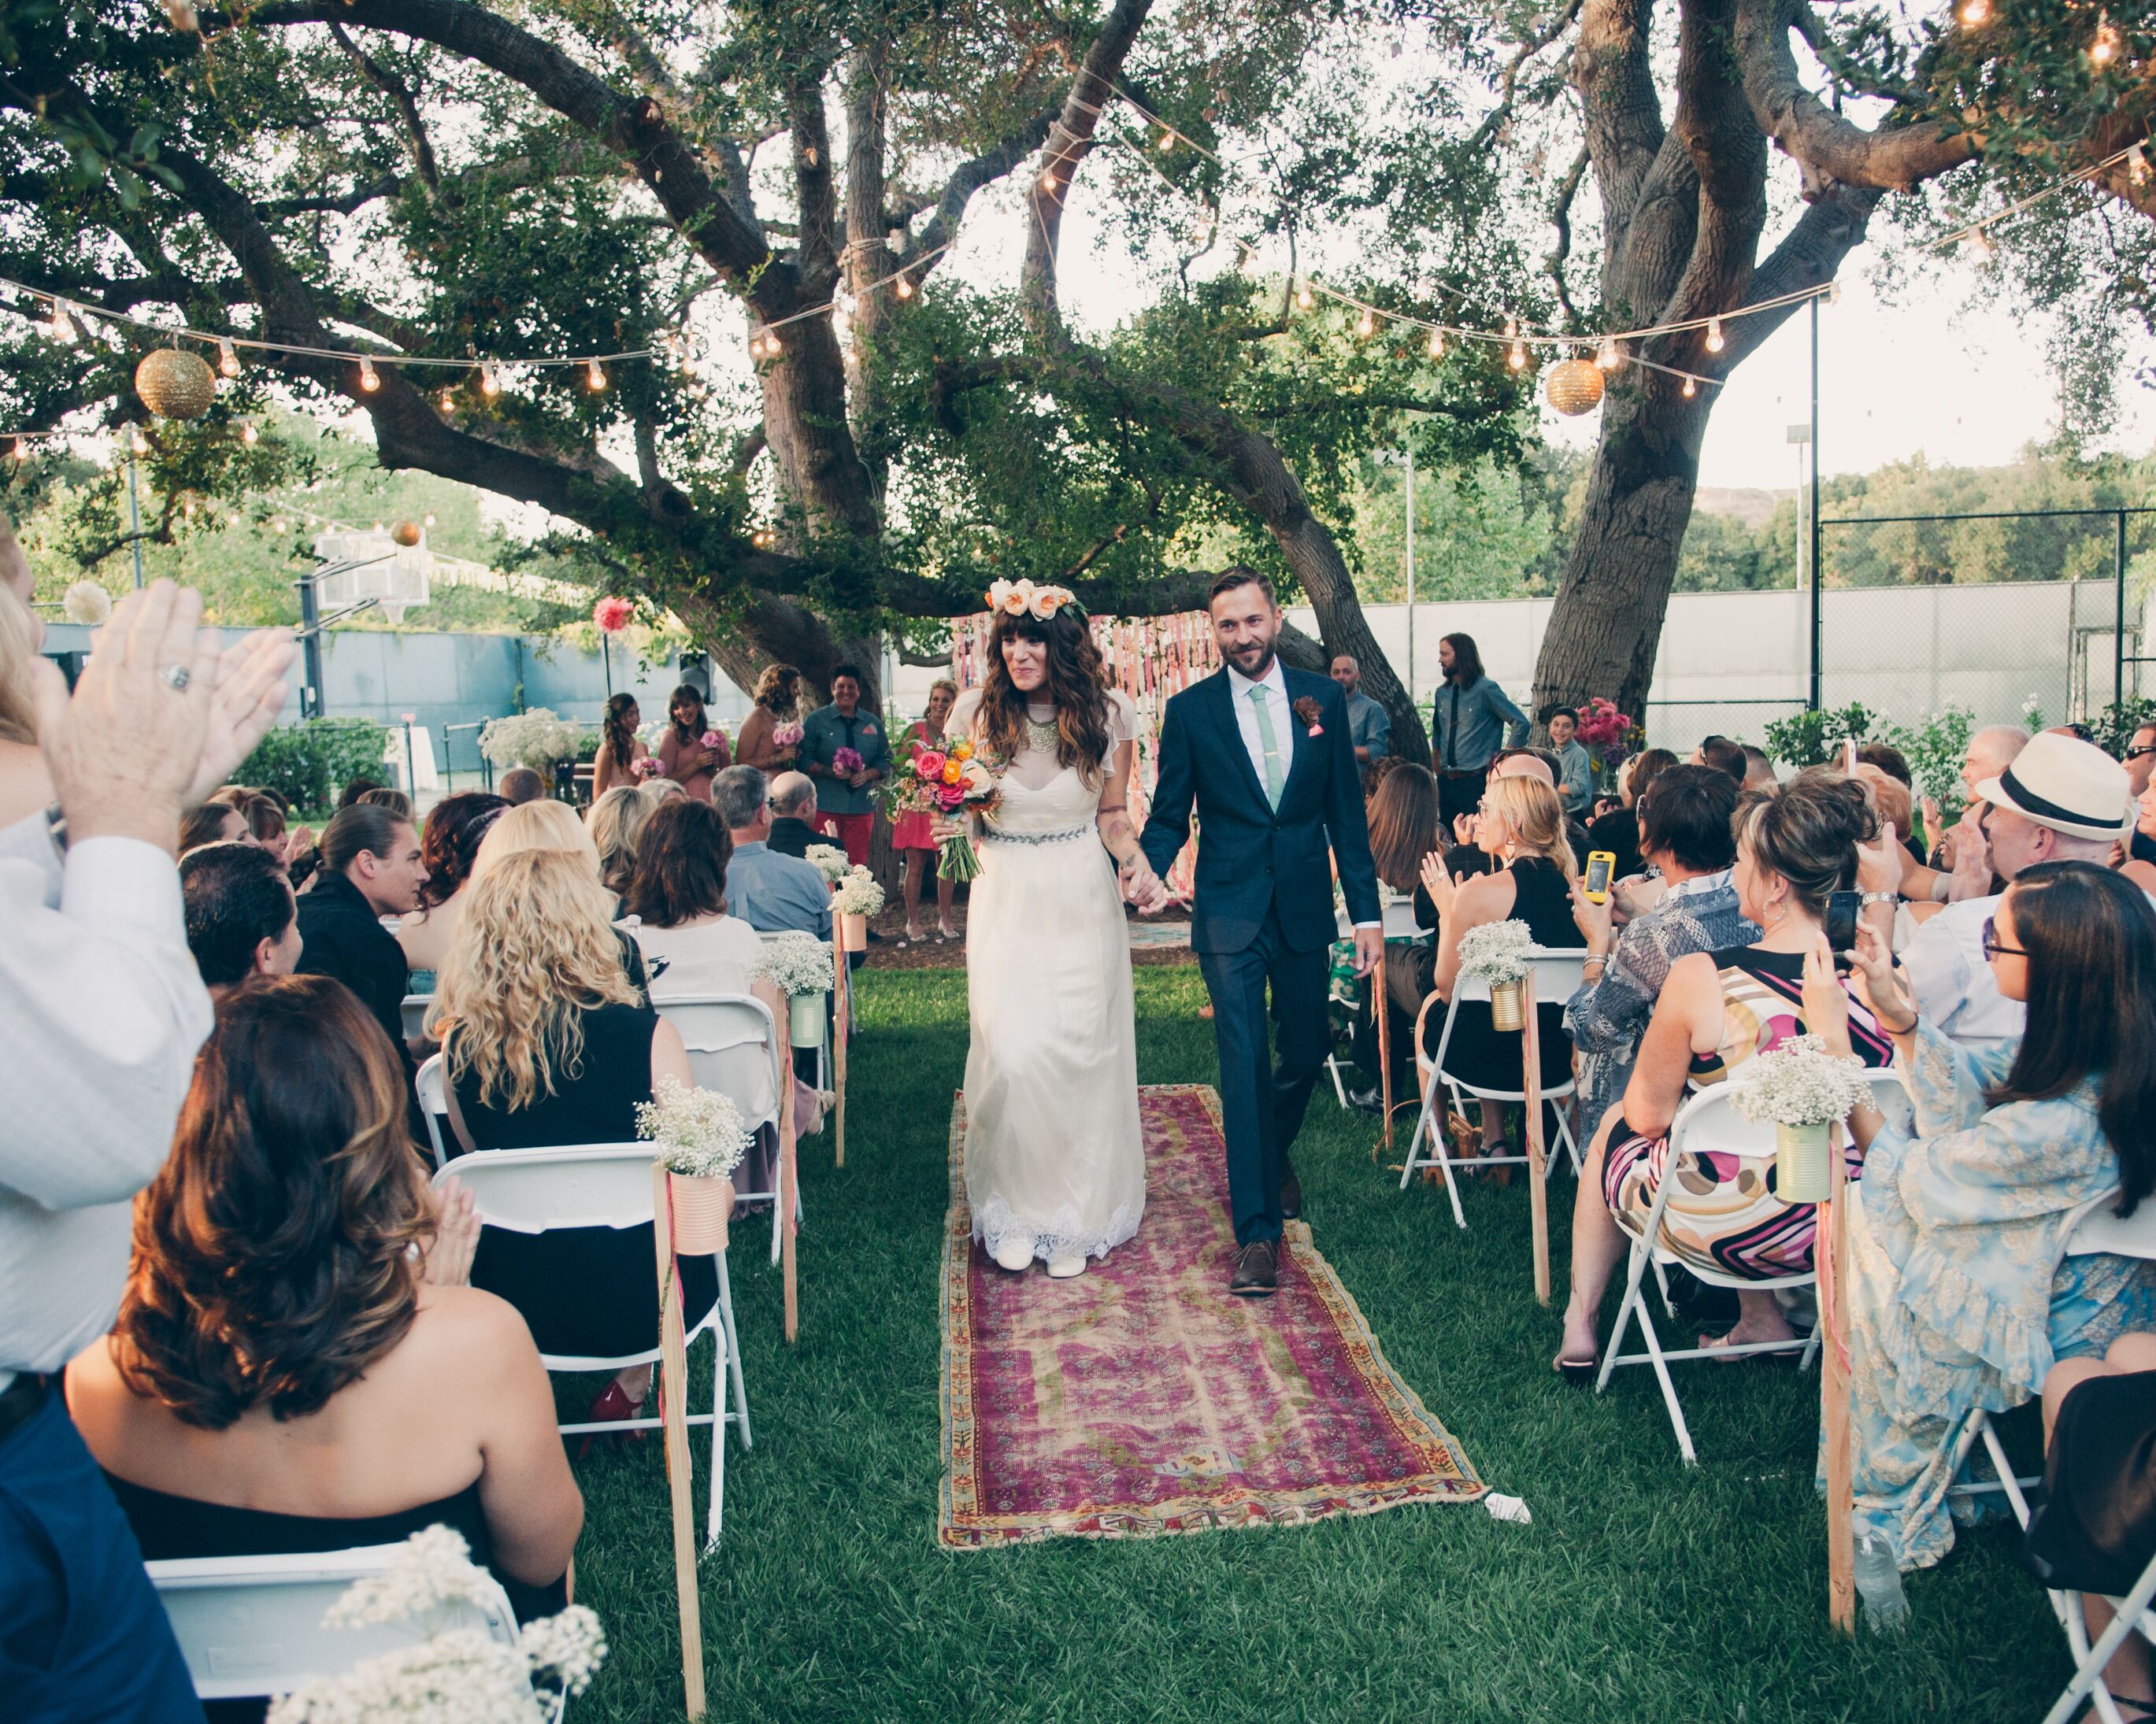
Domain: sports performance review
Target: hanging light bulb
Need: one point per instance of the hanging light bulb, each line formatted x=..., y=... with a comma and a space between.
x=489, y=380
x=227, y=361
x=430, y=520
x=1715, y=344
x=1437, y=344
x=594, y=376
x=248, y=434
x=1366, y=325
x=2107, y=44
x=1517, y=359
x=367, y=379
x=138, y=443
x=1980, y=248
x=1691, y=388
x=756, y=347
x=1304, y=298
x=1167, y=142
x=1610, y=356
x=1834, y=292
x=904, y=287
x=22, y=450
x=61, y=329
x=1048, y=179
x=1974, y=12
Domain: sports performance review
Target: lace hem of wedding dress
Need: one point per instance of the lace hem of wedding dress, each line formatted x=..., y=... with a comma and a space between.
x=995, y=1220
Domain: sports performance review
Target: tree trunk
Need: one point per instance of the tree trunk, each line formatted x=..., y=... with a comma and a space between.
x=1608, y=617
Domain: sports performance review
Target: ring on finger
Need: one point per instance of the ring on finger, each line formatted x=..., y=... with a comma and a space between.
x=176, y=677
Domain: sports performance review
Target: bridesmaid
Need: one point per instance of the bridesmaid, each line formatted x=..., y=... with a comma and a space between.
x=777, y=696
x=911, y=833
x=620, y=747
x=682, y=756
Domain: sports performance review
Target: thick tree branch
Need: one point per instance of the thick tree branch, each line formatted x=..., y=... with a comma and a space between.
x=1613, y=70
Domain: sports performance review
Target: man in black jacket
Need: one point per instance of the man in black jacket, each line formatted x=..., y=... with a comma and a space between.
x=371, y=869
x=793, y=814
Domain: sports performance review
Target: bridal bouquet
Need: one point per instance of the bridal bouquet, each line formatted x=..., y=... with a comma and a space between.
x=829, y=861
x=1803, y=1090
x=455, y=1675
x=946, y=782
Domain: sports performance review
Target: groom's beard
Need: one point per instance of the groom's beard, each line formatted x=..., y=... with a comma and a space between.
x=1252, y=661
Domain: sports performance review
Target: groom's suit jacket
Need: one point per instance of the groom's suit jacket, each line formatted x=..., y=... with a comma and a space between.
x=1250, y=856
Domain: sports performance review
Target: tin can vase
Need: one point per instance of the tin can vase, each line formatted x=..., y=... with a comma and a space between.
x=804, y=1019
x=1506, y=1012
x=1801, y=1167
x=853, y=932
x=701, y=1209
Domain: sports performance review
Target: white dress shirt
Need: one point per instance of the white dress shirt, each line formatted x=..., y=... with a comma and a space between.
x=1274, y=682
x=101, y=1011
x=1952, y=980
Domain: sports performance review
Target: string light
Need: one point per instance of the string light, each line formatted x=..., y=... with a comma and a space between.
x=22, y=450
x=594, y=376
x=489, y=380
x=1304, y=298
x=1715, y=343
x=1437, y=344
x=62, y=326
x=228, y=361
x=1048, y=179
x=2107, y=44
x=248, y=434
x=138, y=443
x=1610, y=354
x=368, y=380
x=1366, y=325
x=1691, y=388
x=1980, y=248
x=1974, y=12
x=904, y=287
x=1517, y=358
x=1167, y=142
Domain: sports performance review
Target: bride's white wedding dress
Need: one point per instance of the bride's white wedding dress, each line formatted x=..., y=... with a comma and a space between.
x=1053, y=1152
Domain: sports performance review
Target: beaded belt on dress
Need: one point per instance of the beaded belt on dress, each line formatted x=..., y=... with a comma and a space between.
x=989, y=835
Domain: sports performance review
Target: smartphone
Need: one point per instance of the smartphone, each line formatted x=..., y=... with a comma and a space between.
x=1849, y=757
x=1841, y=912
x=1600, y=865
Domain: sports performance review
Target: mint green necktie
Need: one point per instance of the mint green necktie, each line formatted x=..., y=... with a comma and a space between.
x=1273, y=776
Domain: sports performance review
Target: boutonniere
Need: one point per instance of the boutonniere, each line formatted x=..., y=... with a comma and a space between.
x=1307, y=710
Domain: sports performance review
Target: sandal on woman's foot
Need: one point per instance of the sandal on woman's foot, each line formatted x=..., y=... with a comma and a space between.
x=1721, y=1344
x=1577, y=1372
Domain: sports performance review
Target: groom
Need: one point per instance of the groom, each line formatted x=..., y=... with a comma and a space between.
x=1268, y=757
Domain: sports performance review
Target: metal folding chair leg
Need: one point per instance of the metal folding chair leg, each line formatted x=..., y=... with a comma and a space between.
x=732, y=1338
x=2088, y=1673
x=1635, y=1309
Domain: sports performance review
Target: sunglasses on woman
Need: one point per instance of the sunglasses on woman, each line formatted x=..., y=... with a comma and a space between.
x=1993, y=949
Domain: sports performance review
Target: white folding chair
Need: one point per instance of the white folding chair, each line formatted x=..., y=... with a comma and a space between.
x=539, y=1191
x=1706, y=1121
x=1557, y=976
x=735, y=1048
x=822, y=1048
x=415, y=1015
x=251, y=1626
x=434, y=1105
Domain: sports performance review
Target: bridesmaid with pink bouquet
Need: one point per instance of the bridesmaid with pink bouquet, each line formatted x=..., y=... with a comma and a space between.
x=911, y=833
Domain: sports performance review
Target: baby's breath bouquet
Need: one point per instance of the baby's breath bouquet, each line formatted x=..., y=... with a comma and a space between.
x=1496, y=953
x=1803, y=1090
x=456, y=1675
x=799, y=966
x=702, y=1138
x=535, y=738
x=829, y=861
x=858, y=894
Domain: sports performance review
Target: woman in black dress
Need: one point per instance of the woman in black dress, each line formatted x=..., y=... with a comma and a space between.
x=1522, y=830
x=547, y=1042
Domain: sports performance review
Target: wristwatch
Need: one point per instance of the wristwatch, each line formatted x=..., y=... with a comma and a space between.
x=1882, y=897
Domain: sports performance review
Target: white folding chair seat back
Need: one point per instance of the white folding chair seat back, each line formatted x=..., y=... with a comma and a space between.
x=581, y=1185
x=416, y=1007
x=253, y=1625
x=1558, y=975
x=734, y=1048
x=430, y=1082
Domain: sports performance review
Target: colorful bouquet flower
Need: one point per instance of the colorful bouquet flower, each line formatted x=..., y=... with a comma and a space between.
x=1602, y=726
x=647, y=768
x=613, y=614
x=947, y=781
x=715, y=737
x=788, y=735
x=846, y=762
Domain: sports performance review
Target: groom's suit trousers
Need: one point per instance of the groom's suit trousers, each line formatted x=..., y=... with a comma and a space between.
x=1263, y=1094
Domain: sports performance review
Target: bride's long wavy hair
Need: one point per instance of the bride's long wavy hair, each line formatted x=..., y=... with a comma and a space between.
x=1077, y=682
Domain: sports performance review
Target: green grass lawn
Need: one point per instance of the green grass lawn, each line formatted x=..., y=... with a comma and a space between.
x=1641, y=1591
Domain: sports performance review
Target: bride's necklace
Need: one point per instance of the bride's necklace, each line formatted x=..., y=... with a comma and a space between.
x=1041, y=734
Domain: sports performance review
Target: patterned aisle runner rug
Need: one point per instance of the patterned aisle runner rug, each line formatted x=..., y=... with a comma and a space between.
x=1140, y=1398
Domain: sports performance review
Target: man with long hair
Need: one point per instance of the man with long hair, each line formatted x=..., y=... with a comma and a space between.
x=1266, y=756
x=1471, y=719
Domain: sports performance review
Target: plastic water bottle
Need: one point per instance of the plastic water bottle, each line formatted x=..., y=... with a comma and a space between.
x=1879, y=1585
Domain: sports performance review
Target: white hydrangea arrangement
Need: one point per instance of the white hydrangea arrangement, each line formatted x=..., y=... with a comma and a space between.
x=536, y=738
x=86, y=603
x=796, y=964
x=701, y=1133
x=829, y=861
x=1497, y=953
x=1799, y=1084
x=456, y=1675
x=858, y=894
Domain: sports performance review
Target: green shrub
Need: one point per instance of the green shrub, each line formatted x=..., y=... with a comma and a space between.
x=2113, y=727
x=1812, y=739
x=309, y=762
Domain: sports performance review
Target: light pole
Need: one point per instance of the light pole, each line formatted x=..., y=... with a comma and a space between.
x=132, y=433
x=1405, y=456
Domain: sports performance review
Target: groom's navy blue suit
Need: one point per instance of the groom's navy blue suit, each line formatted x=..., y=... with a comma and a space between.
x=1263, y=910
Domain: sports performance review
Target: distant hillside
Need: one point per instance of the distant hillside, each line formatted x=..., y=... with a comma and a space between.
x=1754, y=508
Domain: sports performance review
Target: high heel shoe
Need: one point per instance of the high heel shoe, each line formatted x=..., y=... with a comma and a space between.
x=610, y=1404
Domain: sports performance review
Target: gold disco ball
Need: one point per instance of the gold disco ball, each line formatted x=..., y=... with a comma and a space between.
x=405, y=533
x=175, y=384
x=1574, y=387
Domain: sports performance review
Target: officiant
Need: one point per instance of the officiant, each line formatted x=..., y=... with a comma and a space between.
x=845, y=797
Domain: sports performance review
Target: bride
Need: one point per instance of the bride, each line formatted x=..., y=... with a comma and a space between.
x=1054, y=1168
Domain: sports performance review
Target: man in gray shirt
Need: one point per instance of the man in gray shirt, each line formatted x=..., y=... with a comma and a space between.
x=769, y=891
x=1369, y=726
x=1575, y=776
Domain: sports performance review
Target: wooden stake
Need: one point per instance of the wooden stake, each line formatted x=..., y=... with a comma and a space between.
x=1834, y=1401
x=842, y=979
x=789, y=1178
x=674, y=1379
x=1531, y=1083
x=1384, y=1040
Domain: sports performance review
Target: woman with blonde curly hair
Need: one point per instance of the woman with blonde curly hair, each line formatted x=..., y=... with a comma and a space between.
x=297, y=1364
x=777, y=700
x=616, y=823
x=546, y=1041
x=1522, y=830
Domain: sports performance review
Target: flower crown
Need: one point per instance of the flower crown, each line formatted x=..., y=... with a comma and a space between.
x=1015, y=598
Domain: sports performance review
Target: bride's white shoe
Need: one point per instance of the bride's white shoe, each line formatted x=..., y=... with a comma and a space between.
x=1064, y=1268
x=1014, y=1251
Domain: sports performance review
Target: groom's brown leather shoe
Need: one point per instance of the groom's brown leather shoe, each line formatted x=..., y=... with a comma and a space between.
x=1290, y=1195
x=1257, y=1272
